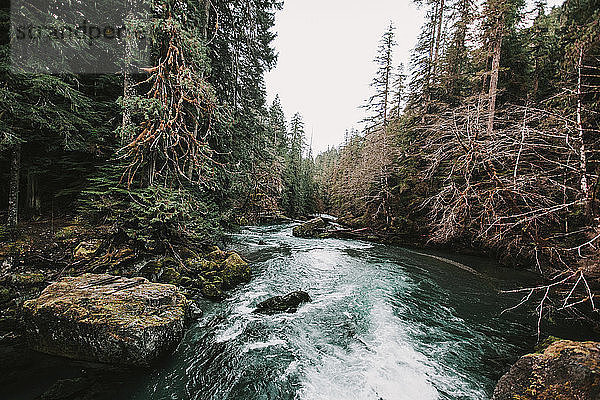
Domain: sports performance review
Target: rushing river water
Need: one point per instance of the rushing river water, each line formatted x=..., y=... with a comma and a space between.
x=385, y=323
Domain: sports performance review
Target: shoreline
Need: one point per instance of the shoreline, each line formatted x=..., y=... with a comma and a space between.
x=28, y=283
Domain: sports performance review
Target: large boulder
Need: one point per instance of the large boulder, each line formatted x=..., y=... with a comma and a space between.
x=105, y=318
x=310, y=229
x=565, y=370
x=288, y=303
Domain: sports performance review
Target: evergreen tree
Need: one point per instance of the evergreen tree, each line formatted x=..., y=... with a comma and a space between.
x=398, y=92
x=43, y=115
x=299, y=189
x=380, y=103
x=457, y=59
x=425, y=59
x=500, y=20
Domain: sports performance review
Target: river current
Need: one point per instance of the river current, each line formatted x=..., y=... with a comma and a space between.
x=385, y=323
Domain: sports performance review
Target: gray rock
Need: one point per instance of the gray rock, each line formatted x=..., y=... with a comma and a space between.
x=194, y=311
x=565, y=370
x=288, y=303
x=105, y=318
x=310, y=229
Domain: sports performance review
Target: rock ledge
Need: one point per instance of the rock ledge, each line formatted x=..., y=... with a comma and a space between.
x=106, y=318
x=565, y=370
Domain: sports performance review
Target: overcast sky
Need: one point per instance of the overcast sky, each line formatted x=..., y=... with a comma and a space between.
x=326, y=50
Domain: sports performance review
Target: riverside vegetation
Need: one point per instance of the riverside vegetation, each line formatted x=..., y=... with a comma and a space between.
x=486, y=144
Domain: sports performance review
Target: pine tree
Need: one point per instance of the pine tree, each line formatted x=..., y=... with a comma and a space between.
x=500, y=19
x=299, y=189
x=41, y=114
x=580, y=31
x=379, y=104
x=398, y=92
x=425, y=59
x=457, y=59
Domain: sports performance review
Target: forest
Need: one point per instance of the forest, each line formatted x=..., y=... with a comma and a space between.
x=189, y=145
x=485, y=143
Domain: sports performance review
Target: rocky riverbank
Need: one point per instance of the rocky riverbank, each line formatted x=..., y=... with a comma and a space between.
x=98, y=293
x=564, y=370
x=106, y=318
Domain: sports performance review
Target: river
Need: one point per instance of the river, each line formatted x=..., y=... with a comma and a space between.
x=385, y=323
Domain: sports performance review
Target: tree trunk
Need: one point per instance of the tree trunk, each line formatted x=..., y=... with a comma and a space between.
x=13, y=195
x=386, y=93
x=33, y=192
x=581, y=132
x=428, y=81
x=206, y=19
x=128, y=93
x=494, y=80
x=438, y=39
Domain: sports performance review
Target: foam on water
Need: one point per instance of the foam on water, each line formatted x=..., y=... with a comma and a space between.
x=380, y=366
x=383, y=325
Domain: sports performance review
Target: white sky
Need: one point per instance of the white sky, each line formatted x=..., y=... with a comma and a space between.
x=325, y=65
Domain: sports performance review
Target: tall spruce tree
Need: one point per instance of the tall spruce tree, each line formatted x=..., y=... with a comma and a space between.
x=500, y=19
x=293, y=195
x=380, y=103
x=398, y=91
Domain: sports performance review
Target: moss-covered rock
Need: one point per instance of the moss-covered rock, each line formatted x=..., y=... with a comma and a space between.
x=235, y=271
x=212, y=290
x=310, y=229
x=5, y=295
x=216, y=255
x=170, y=275
x=217, y=272
x=565, y=370
x=199, y=265
x=26, y=279
x=106, y=318
x=87, y=249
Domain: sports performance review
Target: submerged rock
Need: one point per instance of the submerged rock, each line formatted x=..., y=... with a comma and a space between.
x=565, y=370
x=107, y=319
x=288, y=303
x=310, y=229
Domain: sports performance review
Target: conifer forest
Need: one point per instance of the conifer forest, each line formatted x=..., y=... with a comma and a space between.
x=168, y=230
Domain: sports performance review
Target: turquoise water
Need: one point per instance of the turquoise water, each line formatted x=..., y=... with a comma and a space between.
x=384, y=323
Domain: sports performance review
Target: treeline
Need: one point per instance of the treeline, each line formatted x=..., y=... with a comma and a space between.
x=493, y=144
x=183, y=147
